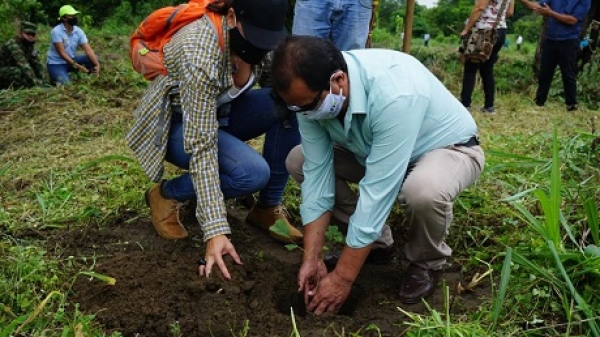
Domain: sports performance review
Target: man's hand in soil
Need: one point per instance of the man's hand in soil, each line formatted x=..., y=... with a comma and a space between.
x=313, y=269
x=216, y=248
x=311, y=272
x=331, y=292
x=333, y=289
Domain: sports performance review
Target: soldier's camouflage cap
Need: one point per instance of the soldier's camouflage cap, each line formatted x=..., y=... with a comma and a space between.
x=28, y=27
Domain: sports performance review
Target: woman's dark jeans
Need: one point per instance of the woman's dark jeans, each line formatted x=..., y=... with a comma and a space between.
x=242, y=169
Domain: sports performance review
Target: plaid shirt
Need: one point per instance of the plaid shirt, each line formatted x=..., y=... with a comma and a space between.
x=198, y=71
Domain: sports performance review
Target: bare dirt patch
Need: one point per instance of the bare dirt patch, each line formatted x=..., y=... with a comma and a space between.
x=157, y=286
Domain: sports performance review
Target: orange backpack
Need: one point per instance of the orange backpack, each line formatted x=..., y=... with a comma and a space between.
x=147, y=42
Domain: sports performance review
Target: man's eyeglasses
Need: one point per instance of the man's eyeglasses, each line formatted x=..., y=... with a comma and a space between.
x=29, y=34
x=309, y=107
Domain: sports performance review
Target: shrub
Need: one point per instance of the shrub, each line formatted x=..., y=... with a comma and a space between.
x=528, y=27
x=12, y=11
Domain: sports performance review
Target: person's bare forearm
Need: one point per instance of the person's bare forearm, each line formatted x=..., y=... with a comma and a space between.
x=351, y=261
x=564, y=18
x=314, y=237
x=511, y=9
x=530, y=4
x=91, y=55
x=480, y=5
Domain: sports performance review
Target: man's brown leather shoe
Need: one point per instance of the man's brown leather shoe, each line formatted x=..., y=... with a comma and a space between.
x=417, y=284
x=165, y=214
x=266, y=217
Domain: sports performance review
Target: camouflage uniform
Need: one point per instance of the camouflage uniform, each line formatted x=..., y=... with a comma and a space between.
x=20, y=66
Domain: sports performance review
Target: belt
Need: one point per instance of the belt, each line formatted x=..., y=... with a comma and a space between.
x=473, y=141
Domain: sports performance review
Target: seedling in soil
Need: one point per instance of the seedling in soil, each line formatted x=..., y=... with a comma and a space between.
x=175, y=329
x=334, y=241
x=333, y=236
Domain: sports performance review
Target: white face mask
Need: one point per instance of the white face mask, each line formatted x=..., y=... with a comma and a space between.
x=330, y=108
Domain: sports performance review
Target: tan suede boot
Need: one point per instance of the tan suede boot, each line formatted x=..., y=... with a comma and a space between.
x=165, y=214
x=265, y=217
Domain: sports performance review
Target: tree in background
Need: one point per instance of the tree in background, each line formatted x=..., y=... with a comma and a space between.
x=13, y=11
x=529, y=27
x=449, y=16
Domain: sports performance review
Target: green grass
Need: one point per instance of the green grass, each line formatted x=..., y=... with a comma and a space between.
x=531, y=218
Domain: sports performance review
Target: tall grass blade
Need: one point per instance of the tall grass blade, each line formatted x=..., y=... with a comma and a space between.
x=504, y=278
x=42, y=203
x=448, y=326
x=553, y=210
x=592, y=218
x=37, y=311
x=295, y=332
x=587, y=310
x=506, y=155
x=518, y=163
x=536, y=269
x=519, y=195
x=5, y=168
x=526, y=216
x=106, y=279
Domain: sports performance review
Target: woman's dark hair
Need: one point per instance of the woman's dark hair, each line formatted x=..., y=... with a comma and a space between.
x=220, y=6
x=311, y=59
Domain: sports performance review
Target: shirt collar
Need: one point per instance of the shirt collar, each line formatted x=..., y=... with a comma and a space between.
x=62, y=24
x=357, y=104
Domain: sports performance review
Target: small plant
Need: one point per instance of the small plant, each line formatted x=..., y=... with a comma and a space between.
x=569, y=266
x=175, y=329
x=333, y=236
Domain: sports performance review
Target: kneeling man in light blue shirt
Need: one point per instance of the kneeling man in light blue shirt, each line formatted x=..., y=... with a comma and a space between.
x=381, y=119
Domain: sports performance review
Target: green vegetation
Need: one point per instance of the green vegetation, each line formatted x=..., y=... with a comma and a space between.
x=529, y=226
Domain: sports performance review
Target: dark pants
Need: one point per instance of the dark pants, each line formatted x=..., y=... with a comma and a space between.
x=242, y=169
x=59, y=73
x=486, y=71
x=563, y=54
x=15, y=77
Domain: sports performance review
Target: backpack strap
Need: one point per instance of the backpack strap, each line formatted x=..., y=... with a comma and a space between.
x=160, y=125
x=216, y=21
x=217, y=25
x=501, y=12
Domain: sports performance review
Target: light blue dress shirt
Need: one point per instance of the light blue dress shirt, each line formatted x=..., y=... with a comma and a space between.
x=70, y=42
x=398, y=110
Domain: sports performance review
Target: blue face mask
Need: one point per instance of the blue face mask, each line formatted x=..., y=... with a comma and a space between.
x=330, y=108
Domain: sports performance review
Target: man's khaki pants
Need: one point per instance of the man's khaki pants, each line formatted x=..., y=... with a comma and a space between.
x=427, y=194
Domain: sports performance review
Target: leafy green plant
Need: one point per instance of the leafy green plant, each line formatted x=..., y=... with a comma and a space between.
x=583, y=264
x=26, y=276
x=12, y=11
x=175, y=329
x=440, y=324
x=333, y=236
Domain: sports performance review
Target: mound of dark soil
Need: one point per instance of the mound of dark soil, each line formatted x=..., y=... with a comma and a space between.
x=158, y=291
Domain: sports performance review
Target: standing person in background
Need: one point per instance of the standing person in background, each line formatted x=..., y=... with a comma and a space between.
x=426, y=38
x=560, y=46
x=484, y=16
x=519, y=42
x=65, y=38
x=20, y=66
x=345, y=23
